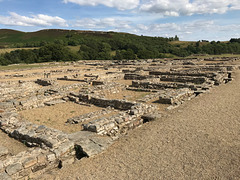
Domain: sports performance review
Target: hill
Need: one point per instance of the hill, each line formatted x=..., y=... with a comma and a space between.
x=53, y=45
x=9, y=37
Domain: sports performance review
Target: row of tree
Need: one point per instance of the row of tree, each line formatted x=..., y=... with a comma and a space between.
x=130, y=47
x=47, y=53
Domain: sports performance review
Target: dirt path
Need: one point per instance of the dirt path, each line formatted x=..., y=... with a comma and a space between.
x=199, y=140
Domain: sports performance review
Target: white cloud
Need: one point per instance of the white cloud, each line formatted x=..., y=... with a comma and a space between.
x=187, y=7
x=196, y=30
x=35, y=20
x=102, y=23
x=119, y=4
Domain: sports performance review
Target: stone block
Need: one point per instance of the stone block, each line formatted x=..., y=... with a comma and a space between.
x=30, y=161
x=14, y=168
x=25, y=172
x=51, y=157
x=64, y=148
x=41, y=158
x=38, y=167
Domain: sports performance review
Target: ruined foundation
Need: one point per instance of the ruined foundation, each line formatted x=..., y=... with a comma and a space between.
x=116, y=106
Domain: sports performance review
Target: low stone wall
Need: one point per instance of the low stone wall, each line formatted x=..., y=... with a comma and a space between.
x=51, y=148
x=14, y=90
x=96, y=83
x=177, y=73
x=101, y=102
x=66, y=78
x=120, y=123
x=158, y=85
x=46, y=82
x=176, y=97
x=184, y=79
x=88, y=116
x=220, y=78
x=129, y=118
x=40, y=98
x=135, y=77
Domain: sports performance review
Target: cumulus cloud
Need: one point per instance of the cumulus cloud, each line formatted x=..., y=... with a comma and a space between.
x=119, y=4
x=102, y=23
x=195, y=30
x=35, y=20
x=188, y=7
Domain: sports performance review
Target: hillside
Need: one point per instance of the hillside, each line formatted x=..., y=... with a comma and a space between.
x=53, y=45
x=10, y=37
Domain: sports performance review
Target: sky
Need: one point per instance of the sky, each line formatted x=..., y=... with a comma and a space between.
x=190, y=20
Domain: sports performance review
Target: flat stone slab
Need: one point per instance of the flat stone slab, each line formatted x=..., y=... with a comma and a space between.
x=90, y=143
x=4, y=176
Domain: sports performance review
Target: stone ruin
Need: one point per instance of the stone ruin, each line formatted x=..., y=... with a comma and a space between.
x=125, y=106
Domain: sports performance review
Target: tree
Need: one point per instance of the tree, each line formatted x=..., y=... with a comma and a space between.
x=55, y=52
x=176, y=38
x=145, y=54
x=129, y=54
x=118, y=55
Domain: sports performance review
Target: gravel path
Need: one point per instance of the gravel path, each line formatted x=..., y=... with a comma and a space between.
x=199, y=140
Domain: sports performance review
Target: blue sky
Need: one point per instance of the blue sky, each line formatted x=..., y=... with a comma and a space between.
x=189, y=19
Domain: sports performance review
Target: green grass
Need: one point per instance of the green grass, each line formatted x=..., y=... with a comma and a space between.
x=9, y=37
x=184, y=44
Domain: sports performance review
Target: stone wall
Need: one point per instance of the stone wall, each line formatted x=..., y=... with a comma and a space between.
x=159, y=85
x=46, y=82
x=128, y=119
x=129, y=76
x=50, y=148
x=177, y=73
x=102, y=102
x=121, y=122
x=184, y=79
x=176, y=97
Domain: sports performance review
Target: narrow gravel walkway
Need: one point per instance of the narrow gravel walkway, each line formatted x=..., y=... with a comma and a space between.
x=199, y=140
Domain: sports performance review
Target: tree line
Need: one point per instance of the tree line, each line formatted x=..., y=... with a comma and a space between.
x=117, y=47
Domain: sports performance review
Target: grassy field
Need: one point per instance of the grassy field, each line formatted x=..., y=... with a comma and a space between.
x=5, y=50
x=74, y=49
x=8, y=36
x=27, y=66
x=184, y=44
x=221, y=55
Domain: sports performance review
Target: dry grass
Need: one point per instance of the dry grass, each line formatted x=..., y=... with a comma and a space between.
x=221, y=55
x=74, y=49
x=7, y=50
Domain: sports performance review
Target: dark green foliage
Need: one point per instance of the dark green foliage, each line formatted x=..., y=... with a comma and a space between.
x=47, y=53
x=233, y=40
x=101, y=46
x=145, y=54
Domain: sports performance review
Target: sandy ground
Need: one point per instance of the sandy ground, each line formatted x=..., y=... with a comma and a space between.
x=126, y=94
x=56, y=116
x=14, y=146
x=199, y=140
x=82, y=68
